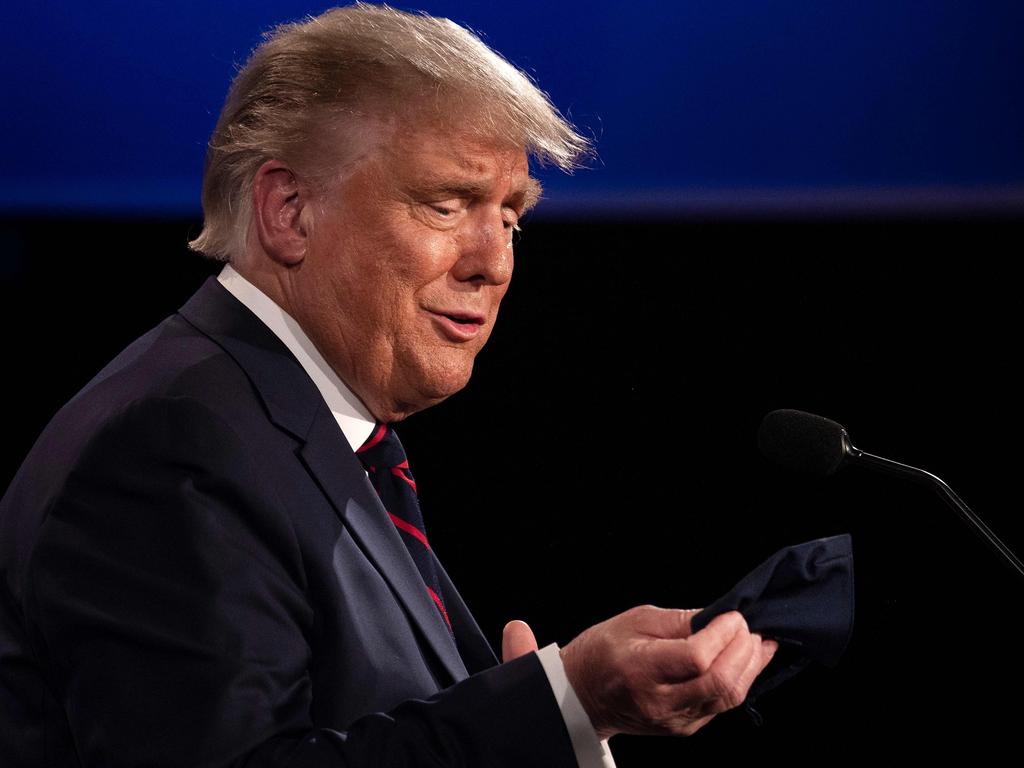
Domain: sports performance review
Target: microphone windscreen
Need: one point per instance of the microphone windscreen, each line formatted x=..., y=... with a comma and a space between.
x=802, y=441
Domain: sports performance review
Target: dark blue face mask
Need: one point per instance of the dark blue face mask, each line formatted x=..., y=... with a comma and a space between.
x=802, y=596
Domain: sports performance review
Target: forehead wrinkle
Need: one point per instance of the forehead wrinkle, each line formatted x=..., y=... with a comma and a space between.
x=452, y=163
x=454, y=187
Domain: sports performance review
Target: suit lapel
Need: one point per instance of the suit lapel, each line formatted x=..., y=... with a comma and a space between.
x=295, y=404
x=344, y=482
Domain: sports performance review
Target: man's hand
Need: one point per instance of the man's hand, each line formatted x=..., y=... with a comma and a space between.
x=645, y=672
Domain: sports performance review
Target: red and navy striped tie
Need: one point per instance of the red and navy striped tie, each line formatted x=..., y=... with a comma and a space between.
x=388, y=469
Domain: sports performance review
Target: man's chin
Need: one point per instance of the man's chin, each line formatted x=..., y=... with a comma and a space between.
x=432, y=389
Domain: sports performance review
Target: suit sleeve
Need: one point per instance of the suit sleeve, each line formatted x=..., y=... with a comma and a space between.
x=169, y=607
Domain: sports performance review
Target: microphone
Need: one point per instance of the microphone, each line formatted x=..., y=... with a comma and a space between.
x=812, y=444
x=803, y=442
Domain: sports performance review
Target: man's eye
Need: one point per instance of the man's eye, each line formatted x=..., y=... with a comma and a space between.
x=446, y=209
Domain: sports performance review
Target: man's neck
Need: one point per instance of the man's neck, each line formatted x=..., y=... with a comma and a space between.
x=352, y=415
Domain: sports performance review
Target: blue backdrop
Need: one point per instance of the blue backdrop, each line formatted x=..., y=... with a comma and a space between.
x=706, y=104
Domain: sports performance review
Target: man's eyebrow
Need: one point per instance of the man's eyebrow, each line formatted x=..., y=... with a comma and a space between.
x=531, y=194
x=526, y=197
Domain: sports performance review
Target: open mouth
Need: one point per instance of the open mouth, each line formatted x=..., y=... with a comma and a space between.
x=464, y=319
x=459, y=326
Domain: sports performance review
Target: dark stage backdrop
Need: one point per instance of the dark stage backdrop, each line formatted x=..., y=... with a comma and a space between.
x=604, y=453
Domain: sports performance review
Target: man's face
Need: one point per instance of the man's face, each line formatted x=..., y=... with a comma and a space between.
x=407, y=263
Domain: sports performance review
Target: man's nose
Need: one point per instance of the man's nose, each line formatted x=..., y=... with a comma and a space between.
x=486, y=256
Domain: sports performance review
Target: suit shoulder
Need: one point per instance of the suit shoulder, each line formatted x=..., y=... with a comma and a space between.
x=174, y=382
x=172, y=360
x=172, y=413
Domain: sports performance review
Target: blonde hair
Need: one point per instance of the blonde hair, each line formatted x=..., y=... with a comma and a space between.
x=337, y=68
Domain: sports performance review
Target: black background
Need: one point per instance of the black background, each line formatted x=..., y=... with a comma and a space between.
x=604, y=454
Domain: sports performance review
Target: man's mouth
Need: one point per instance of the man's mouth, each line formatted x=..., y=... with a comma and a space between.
x=458, y=325
x=463, y=318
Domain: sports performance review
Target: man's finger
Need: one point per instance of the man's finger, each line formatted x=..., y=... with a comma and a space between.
x=517, y=640
x=763, y=650
x=674, y=661
x=725, y=684
x=735, y=668
x=664, y=622
x=768, y=649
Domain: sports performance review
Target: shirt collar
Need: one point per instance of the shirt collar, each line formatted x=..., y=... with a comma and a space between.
x=355, y=420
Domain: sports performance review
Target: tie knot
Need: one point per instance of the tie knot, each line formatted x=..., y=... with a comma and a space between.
x=382, y=449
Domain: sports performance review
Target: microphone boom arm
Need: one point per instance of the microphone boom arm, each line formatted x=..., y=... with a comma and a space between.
x=857, y=456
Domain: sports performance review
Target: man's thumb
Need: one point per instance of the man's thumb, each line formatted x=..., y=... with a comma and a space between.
x=517, y=640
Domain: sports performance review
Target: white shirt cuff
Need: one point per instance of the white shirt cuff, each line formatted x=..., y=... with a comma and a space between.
x=590, y=751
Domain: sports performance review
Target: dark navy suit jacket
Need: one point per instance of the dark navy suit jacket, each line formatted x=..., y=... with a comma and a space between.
x=195, y=571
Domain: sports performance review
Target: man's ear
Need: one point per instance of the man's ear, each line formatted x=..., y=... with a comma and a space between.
x=278, y=202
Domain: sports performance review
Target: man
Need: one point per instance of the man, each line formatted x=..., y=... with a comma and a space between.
x=198, y=568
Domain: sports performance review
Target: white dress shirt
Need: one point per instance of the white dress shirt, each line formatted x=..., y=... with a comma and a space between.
x=357, y=423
